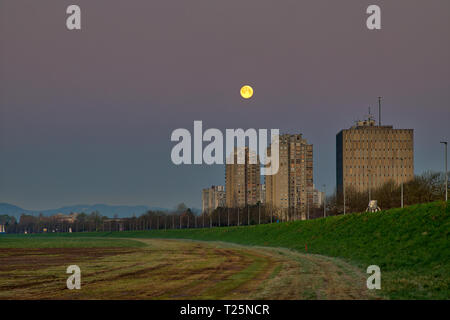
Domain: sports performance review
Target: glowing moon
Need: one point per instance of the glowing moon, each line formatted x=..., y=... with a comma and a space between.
x=246, y=92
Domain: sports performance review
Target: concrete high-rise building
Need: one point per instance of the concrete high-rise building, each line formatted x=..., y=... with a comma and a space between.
x=242, y=181
x=213, y=198
x=318, y=197
x=262, y=193
x=288, y=191
x=368, y=155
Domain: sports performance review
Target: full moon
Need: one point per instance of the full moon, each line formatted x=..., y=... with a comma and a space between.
x=246, y=92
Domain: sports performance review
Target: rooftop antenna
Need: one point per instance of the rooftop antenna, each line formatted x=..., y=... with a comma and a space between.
x=379, y=111
x=369, y=118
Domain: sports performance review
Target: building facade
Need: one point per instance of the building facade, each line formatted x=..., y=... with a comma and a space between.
x=318, y=198
x=262, y=193
x=213, y=198
x=68, y=218
x=369, y=155
x=242, y=181
x=290, y=191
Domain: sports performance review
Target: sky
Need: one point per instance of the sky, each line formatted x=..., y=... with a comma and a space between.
x=86, y=115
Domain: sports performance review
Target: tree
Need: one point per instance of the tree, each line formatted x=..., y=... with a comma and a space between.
x=181, y=208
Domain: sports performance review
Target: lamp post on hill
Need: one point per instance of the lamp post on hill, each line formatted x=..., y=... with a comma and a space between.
x=238, y=218
x=307, y=204
x=259, y=212
x=446, y=172
x=402, y=177
x=343, y=194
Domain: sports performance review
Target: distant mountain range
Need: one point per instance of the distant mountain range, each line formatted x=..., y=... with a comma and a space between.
x=104, y=209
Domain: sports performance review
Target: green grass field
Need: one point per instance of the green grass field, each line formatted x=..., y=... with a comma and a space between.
x=38, y=241
x=410, y=245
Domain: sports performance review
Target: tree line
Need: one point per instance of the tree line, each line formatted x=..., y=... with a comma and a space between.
x=427, y=187
x=181, y=218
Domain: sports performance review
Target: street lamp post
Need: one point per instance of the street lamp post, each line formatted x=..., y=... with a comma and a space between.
x=271, y=214
x=446, y=172
x=324, y=201
x=401, y=187
x=238, y=222
x=343, y=189
x=307, y=204
x=259, y=213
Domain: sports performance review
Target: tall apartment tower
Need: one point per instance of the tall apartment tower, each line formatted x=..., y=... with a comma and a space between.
x=318, y=197
x=368, y=155
x=242, y=181
x=213, y=198
x=290, y=191
x=262, y=193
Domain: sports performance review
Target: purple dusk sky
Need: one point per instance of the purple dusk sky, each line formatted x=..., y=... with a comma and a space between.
x=86, y=116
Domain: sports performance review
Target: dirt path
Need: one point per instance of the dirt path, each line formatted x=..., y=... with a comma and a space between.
x=173, y=269
x=290, y=275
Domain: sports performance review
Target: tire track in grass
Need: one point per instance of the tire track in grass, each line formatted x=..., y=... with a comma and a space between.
x=304, y=276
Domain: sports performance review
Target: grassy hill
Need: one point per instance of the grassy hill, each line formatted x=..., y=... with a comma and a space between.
x=410, y=245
